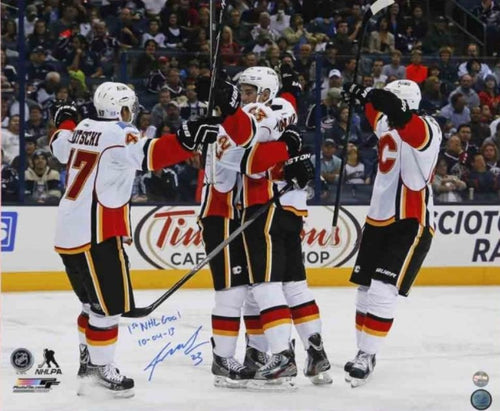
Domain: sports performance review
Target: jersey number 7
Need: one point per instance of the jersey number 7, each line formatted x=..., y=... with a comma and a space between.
x=83, y=161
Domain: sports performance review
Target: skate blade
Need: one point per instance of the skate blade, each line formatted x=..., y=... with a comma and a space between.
x=347, y=377
x=90, y=388
x=225, y=382
x=286, y=384
x=358, y=382
x=322, y=378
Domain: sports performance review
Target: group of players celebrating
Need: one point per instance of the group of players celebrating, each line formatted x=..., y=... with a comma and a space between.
x=253, y=157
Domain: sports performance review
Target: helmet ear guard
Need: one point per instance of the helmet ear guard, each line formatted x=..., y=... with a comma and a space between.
x=406, y=90
x=111, y=97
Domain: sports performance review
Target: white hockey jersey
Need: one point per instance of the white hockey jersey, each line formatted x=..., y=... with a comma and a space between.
x=102, y=158
x=296, y=199
x=407, y=158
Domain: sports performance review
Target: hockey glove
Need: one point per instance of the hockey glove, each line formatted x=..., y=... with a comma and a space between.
x=397, y=111
x=65, y=112
x=193, y=135
x=289, y=80
x=354, y=93
x=293, y=140
x=226, y=97
x=299, y=170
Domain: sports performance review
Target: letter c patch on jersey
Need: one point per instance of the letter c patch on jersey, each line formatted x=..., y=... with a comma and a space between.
x=131, y=138
x=387, y=153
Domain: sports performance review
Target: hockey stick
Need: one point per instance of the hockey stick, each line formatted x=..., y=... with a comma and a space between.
x=374, y=9
x=144, y=311
x=213, y=79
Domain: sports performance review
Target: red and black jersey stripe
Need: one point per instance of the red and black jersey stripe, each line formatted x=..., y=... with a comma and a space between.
x=228, y=326
x=101, y=336
x=275, y=316
x=305, y=312
x=377, y=326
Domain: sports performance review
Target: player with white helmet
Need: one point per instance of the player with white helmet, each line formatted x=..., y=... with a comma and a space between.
x=259, y=88
x=93, y=220
x=110, y=98
x=406, y=90
x=220, y=215
x=400, y=222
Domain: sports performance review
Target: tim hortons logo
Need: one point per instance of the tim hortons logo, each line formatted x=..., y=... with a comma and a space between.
x=169, y=237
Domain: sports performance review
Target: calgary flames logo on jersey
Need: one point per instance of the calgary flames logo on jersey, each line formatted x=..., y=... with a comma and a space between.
x=168, y=237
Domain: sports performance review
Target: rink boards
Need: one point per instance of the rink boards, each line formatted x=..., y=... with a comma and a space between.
x=167, y=244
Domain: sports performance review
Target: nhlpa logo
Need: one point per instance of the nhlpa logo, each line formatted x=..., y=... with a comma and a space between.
x=9, y=224
x=49, y=360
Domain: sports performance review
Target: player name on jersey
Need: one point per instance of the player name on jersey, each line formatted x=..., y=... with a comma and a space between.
x=88, y=138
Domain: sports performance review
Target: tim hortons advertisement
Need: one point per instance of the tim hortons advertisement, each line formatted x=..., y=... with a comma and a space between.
x=169, y=237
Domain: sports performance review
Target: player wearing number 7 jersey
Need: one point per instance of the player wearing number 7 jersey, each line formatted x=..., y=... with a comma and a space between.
x=93, y=218
x=399, y=226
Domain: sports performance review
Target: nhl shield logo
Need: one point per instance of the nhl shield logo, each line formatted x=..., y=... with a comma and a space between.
x=21, y=359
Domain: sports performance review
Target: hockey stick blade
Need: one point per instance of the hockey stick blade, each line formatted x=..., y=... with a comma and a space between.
x=379, y=5
x=144, y=311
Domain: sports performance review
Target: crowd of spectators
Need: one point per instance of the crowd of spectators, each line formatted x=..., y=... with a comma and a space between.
x=162, y=49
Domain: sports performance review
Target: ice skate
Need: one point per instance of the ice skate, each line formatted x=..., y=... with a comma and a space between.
x=361, y=368
x=229, y=372
x=84, y=361
x=254, y=359
x=278, y=373
x=104, y=381
x=317, y=363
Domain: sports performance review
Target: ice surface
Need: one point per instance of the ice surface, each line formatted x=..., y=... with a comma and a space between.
x=440, y=338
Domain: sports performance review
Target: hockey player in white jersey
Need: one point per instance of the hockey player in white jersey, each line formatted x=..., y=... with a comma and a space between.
x=220, y=216
x=400, y=222
x=93, y=219
x=259, y=87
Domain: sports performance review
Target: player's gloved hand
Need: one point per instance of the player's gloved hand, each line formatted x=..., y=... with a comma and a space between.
x=293, y=140
x=354, y=93
x=193, y=135
x=66, y=111
x=289, y=80
x=397, y=111
x=226, y=97
x=299, y=170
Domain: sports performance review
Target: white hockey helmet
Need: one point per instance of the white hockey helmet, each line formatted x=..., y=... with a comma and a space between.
x=111, y=97
x=263, y=78
x=406, y=90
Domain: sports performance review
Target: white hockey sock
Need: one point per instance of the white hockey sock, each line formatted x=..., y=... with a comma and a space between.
x=83, y=323
x=361, y=307
x=382, y=299
x=275, y=315
x=305, y=311
x=226, y=319
x=254, y=330
x=102, y=336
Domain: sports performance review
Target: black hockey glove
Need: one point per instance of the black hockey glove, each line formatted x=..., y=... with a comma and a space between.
x=397, y=111
x=65, y=111
x=354, y=93
x=289, y=80
x=193, y=135
x=293, y=140
x=299, y=170
x=226, y=97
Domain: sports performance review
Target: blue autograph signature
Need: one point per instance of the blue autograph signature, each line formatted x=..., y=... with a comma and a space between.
x=188, y=347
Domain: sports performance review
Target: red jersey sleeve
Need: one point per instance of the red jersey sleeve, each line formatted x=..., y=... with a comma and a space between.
x=417, y=133
x=240, y=127
x=290, y=98
x=164, y=152
x=263, y=156
x=372, y=115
